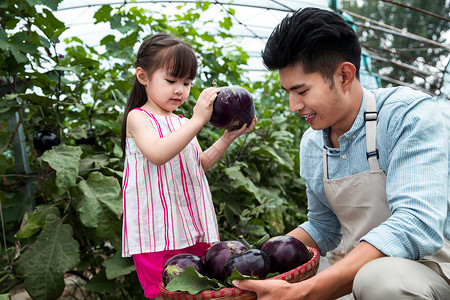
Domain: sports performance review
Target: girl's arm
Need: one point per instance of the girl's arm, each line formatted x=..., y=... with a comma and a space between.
x=160, y=150
x=214, y=153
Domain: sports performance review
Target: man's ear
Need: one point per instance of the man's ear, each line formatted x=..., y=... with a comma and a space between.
x=141, y=76
x=347, y=74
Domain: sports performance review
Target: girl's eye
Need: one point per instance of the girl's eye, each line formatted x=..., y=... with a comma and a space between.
x=187, y=83
x=170, y=81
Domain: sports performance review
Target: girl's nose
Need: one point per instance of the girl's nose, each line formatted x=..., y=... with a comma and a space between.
x=178, y=90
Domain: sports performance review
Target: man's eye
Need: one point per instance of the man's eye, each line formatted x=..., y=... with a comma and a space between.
x=302, y=92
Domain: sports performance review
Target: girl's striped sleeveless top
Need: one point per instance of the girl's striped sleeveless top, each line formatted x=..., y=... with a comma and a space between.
x=165, y=207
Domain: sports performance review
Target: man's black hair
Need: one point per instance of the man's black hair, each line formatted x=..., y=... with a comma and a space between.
x=318, y=39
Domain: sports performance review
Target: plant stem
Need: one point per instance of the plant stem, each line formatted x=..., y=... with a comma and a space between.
x=241, y=237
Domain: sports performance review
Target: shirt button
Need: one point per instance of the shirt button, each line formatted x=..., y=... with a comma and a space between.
x=354, y=136
x=344, y=156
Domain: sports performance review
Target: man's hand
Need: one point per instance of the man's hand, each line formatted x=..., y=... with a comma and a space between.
x=272, y=289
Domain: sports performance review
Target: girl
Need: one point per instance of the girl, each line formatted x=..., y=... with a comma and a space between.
x=167, y=202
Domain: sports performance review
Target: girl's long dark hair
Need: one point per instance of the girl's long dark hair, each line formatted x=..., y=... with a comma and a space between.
x=159, y=51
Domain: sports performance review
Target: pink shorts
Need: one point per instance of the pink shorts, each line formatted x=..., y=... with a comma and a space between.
x=149, y=266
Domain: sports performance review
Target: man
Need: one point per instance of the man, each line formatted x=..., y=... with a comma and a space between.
x=376, y=167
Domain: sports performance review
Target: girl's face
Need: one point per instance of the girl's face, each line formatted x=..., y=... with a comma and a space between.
x=166, y=93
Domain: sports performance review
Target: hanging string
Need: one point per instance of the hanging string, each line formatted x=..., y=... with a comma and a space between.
x=418, y=9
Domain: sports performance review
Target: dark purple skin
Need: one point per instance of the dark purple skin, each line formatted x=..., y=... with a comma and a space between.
x=89, y=140
x=285, y=252
x=232, y=108
x=178, y=264
x=217, y=256
x=45, y=139
x=252, y=262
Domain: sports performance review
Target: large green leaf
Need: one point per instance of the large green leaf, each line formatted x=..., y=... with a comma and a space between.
x=46, y=260
x=118, y=266
x=193, y=282
x=100, y=284
x=49, y=24
x=99, y=203
x=40, y=100
x=33, y=221
x=65, y=160
x=4, y=43
x=239, y=180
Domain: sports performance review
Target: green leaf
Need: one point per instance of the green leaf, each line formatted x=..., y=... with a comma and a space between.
x=35, y=220
x=40, y=100
x=273, y=153
x=226, y=23
x=103, y=14
x=100, y=284
x=193, y=282
x=241, y=181
x=77, y=133
x=4, y=43
x=93, y=163
x=5, y=296
x=99, y=203
x=49, y=24
x=238, y=276
x=204, y=5
x=65, y=160
x=119, y=266
x=46, y=260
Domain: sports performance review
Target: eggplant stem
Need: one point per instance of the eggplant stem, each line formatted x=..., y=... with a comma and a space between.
x=241, y=237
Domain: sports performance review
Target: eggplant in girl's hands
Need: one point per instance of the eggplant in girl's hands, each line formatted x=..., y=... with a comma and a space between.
x=232, y=108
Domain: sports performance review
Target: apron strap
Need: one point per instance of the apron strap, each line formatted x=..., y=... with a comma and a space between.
x=370, y=117
x=325, y=163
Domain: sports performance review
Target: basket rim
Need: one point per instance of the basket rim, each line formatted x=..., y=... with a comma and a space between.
x=302, y=269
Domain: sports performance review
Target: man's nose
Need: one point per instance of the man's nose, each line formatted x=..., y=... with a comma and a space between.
x=295, y=104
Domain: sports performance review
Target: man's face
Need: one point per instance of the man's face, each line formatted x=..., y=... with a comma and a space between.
x=312, y=98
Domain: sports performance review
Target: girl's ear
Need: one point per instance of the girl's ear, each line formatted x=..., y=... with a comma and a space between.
x=141, y=76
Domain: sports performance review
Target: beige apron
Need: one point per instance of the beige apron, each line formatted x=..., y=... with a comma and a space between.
x=360, y=202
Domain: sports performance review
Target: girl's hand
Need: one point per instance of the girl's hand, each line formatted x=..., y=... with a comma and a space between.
x=204, y=107
x=232, y=135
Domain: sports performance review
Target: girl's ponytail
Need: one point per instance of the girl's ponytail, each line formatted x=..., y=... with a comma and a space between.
x=137, y=98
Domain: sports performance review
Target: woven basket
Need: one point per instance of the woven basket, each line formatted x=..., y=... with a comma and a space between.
x=307, y=270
